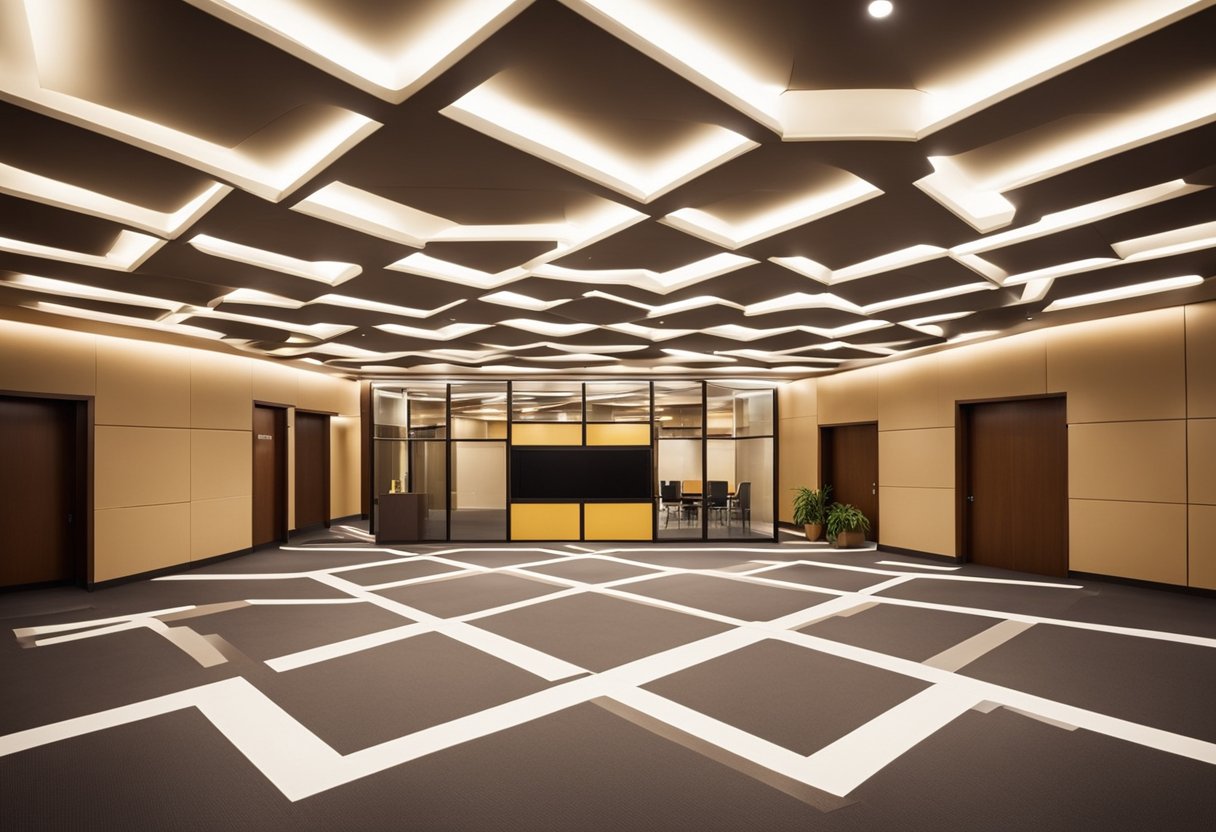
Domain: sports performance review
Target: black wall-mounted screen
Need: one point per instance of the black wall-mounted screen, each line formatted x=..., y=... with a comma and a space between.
x=581, y=473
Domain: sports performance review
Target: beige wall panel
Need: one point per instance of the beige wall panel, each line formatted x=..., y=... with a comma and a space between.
x=1201, y=469
x=38, y=359
x=140, y=466
x=275, y=383
x=911, y=395
x=128, y=541
x=798, y=461
x=1015, y=366
x=221, y=464
x=916, y=458
x=1203, y=546
x=921, y=519
x=545, y=521
x=1141, y=461
x=344, y=466
x=1145, y=541
x=496, y=430
x=797, y=398
x=142, y=383
x=221, y=391
x=1121, y=369
x=849, y=397
x=1201, y=359
x=220, y=527
x=321, y=392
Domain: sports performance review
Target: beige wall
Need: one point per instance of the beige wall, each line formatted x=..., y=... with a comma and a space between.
x=172, y=445
x=1142, y=434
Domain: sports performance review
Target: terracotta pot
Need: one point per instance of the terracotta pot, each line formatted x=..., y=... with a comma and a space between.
x=813, y=530
x=850, y=540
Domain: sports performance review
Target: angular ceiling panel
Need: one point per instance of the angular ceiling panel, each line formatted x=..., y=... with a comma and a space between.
x=602, y=187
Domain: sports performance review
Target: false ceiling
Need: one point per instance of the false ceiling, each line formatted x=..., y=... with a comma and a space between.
x=602, y=187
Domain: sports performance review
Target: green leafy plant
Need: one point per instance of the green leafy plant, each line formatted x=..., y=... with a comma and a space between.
x=845, y=517
x=811, y=505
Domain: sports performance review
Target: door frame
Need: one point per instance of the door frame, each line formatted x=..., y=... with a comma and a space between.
x=82, y=497
x=962, y=466
x=325, y=464
x=877, y=461
x=281, y=472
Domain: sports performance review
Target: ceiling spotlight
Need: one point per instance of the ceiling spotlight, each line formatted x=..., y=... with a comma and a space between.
x=881, y=8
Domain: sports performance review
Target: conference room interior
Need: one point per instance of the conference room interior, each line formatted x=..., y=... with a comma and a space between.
x=402, y=410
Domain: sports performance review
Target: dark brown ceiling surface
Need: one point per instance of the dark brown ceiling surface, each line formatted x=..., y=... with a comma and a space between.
x=600, y=187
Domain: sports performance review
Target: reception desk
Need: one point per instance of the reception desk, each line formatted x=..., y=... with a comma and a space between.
x=402, y=517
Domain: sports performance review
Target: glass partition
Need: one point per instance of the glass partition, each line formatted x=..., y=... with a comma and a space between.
x=713, y=451
x=613, y=401
x=547, y=401
x=479, y=490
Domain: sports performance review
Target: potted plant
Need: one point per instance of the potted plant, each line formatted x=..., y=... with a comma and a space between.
x=846, y=526
x=811, y=509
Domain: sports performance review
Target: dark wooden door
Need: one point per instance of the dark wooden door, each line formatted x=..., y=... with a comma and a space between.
x=312, y=470
x=1015, y=487
x=40, y=516
x=269, y=475
x=849, y=463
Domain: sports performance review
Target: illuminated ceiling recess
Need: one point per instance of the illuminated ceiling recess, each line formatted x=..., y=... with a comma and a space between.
x=604, y=188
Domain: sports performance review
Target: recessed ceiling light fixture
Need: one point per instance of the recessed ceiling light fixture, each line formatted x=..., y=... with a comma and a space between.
x=881, y=8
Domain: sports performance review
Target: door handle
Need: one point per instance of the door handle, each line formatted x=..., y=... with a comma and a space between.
x=873, y=488
x=971, y=498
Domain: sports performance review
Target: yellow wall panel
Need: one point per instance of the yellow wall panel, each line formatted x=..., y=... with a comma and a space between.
x=142, y=383
x=1142, y=461
x=1203, y=546
x=1014, y=366
x=797, y=462
x=618, y=521
x=916, y=458
x=275, y=383
x=140, y=466
x=797, y=398
x=38, y=359
x=544, y=521
x=911, y=395
x=546, y=433
x=619, y=434
x=849, y=397
x=221, y=391
x=1145, y=541
x=1201, y=359
x=221, y=464
x=1121, y=369
x=921, y=519
x=1201, y=470
x=128, y=541
x=220, y=527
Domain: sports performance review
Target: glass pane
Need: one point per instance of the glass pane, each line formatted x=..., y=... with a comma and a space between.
x=547, y=401
x=389, y=407
x=479, y=490
x=679, y=504
x=428, y=467
x=749, y=514
x=479, y=410
x=720, y=411
x=677, y=409
x=390, y=466
x=618, y=401
x=754, y=412
x=428, y=411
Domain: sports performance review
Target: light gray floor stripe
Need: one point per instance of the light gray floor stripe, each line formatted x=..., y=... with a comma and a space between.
x=195, y=646
x=1055, y=723
x=965, y=652
x=204, y=609
x=809, y=795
